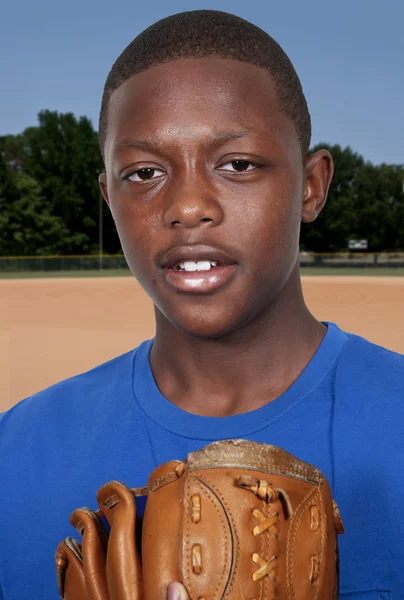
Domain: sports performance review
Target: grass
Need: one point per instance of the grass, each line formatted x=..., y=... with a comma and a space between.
x=376, y=271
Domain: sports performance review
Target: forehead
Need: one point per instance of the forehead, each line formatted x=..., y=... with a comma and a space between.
x=194, y=99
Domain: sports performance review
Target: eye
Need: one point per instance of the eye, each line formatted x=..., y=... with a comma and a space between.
x=239, y=166
x=146, y=174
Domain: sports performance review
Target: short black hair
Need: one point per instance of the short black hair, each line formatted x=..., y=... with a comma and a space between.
x=203, y=33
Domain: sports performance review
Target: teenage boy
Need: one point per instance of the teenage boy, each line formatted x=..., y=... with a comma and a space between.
x=205, y=134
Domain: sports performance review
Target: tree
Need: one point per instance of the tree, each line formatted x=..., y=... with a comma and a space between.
x=379, y=207
x=26, y=221
x=8, y=195
x=63, y=154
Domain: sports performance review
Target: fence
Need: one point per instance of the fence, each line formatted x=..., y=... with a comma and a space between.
x=353, y=260
x=117, y=263
x=15, y=264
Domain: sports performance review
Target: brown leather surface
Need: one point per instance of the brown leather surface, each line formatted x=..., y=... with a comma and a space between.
x=237, y=520
x=252, y=455
x=102, y=567
x=304, y=544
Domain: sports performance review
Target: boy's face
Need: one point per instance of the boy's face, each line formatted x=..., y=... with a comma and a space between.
x=202, y=166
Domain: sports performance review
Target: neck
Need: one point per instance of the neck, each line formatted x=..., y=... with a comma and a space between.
x=241, y=371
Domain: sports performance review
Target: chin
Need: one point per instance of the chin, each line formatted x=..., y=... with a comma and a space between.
x=208, y=327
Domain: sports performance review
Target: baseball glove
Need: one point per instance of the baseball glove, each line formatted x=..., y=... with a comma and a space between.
x=237, y=520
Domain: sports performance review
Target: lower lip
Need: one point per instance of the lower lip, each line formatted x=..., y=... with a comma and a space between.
x=199, y=282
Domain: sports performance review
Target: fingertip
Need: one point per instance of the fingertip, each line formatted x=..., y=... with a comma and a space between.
x=176, y=591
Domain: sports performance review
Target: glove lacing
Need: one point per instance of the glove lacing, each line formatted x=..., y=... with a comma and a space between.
x=264, y=491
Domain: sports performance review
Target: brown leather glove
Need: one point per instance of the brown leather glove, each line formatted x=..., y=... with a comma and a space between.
x=237, y=520
x=105, y=566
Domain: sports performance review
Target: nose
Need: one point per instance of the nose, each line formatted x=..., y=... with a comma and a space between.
x=193, y=203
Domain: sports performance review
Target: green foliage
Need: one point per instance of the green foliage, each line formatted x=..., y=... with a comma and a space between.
x=30, y=228
x=50, y=199
x=49, y=194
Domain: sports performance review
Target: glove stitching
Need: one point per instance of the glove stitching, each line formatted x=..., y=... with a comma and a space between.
x=322, y=537
x=289, y=557
x=226, y=524
x=187, y=577
x=316, y=479
x=223, y=523
x=206, y=495
x=232, y=574
x=265, y=541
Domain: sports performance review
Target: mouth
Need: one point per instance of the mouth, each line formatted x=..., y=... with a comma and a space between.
x=198, y=269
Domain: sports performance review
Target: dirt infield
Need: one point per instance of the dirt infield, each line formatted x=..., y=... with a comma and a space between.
x=51, y=329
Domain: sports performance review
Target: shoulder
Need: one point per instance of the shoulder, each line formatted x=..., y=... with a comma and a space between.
x=365, y=361
x=369, y=380
x=89, y=391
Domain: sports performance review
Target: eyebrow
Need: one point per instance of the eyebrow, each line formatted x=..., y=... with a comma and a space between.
x=140, y=144
x=149, y=145
x=228, y=136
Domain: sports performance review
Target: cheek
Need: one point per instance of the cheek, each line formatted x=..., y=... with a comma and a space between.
x=288, y=209
x=269, y=220
x=137, y=232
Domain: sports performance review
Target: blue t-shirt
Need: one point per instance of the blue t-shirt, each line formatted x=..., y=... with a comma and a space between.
x=344, y=414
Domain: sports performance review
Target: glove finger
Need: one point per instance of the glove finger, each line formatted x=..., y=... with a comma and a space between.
x=124, y=574
x=69, y=570
x=94, y=550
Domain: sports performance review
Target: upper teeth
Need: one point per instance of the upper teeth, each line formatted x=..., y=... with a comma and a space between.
x=200, y=265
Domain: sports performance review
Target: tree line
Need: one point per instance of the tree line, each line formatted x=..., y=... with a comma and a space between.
x=50, y=200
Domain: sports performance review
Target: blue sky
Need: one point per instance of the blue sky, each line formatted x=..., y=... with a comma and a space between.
x=348, y=54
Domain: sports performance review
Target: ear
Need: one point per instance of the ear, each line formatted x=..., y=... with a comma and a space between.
x=318, y=173
x=102, y=180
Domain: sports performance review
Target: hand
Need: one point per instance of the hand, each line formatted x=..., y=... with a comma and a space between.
x=176, y=591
